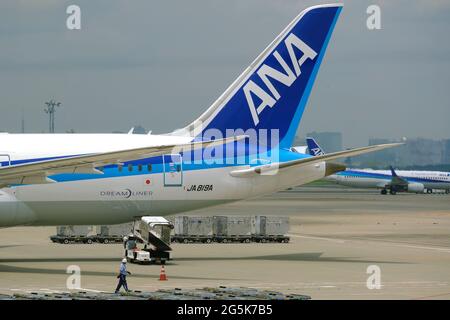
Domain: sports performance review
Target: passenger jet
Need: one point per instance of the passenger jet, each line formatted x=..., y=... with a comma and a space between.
x=239, y=148
x=391, y=181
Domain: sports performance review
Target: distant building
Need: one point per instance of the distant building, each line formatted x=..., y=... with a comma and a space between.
x=299, y=141
x=415, y=152
x=329, y=141
x=420, y=151
x=446, y=151
x=383, y=158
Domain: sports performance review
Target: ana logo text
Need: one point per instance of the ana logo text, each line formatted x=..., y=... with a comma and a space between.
x=317, y=151
x=287, y=77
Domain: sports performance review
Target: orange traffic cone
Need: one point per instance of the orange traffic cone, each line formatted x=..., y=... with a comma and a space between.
x=162, y=275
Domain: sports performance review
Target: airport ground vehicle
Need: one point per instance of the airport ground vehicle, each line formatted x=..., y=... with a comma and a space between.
x=154, y=234
x=228, y=229
x=138, y=256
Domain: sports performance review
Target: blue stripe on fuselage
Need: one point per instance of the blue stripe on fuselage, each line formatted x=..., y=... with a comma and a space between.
x=249, y=156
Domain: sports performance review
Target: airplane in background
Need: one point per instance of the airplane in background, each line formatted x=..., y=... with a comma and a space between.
x=239, y=148
x=386, y=180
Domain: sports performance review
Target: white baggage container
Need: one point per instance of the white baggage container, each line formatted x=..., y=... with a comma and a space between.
x=270, y=225
x=119, y=230
x=193, y=226
x=232, y=226
x=72, y=231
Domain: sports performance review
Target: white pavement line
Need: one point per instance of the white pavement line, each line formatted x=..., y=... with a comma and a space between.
x=318, y=238
x=91, y=290
x=423, y=247
x=48, y=290
x=386, y=243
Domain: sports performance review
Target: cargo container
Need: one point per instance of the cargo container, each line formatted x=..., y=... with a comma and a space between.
x=232, y=228
x=89, y=234
x=113, y=233
x=74, y=230
x=116, y=229
x=74, y=234
x=270, y=228
x=193, y=229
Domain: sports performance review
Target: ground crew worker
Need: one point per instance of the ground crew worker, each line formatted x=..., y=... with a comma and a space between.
x=123, y=276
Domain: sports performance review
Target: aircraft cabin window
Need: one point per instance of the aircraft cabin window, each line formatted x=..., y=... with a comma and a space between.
x=149, y=167
x=130, y=167
x=119, y=166
x=178, y=168
x=140, y=167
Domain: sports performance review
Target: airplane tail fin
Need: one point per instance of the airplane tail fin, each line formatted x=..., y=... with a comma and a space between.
x=272, y=92
x=394, y=174
x=313, y=147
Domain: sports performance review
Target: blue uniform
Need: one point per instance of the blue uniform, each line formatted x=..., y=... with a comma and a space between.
x=122, y=277
x=123, y=269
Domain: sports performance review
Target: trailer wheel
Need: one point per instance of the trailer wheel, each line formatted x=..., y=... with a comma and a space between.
x=263, y=241
x=208, y=241
x=66, y=241
x=247, y=240
x=89, y=241
x=106, y=241
x=185, y=240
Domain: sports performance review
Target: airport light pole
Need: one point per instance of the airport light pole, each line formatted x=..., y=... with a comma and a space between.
x=51, y=109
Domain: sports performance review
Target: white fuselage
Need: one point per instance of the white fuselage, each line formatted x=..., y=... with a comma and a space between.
x=369, y=178
x=120, y=196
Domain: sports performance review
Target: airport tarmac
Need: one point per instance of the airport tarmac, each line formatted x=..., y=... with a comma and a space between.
x=336, y=234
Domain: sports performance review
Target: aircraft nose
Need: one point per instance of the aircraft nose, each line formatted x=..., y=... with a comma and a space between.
x=332, y=167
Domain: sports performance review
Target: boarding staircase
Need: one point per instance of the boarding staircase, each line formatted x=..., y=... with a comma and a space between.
x=154, y=232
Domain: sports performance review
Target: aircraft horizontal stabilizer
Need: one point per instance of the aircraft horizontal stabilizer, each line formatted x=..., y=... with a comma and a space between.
x=274, y=167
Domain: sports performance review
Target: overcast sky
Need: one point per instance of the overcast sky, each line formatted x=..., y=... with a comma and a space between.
x=161, y=63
